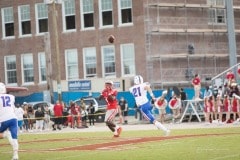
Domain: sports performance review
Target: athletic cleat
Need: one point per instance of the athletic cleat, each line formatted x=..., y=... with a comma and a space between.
x=115, y=136
x=15, y=157
x=119, y=130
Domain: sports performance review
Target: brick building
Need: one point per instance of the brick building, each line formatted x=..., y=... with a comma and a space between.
x=43, y=43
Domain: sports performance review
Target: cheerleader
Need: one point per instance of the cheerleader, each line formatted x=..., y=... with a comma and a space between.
x=219, y=108
x=235, y=108
x=161, y=104
x=227, y=107
x=207, y=110
x=175, y=105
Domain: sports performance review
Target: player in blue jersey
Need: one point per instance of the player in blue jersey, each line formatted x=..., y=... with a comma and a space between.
x=8, y=120
x=139, y=91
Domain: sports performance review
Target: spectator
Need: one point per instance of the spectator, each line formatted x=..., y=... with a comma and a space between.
x=47, y=117
x=75, y=114
x=84, y=115
x=183, y=96
x=208, y=92
x=31, y=117
x=39, y=116
x=58, y=113
x=124, y=109
x=19, y=113
x=91, y=112
x=25, y=117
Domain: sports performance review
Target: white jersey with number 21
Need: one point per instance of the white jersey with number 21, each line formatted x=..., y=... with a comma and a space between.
x=140, y=93
x=7, y=107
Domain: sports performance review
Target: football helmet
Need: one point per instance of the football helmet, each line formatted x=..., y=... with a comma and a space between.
x=138, y=79
x=2, y=88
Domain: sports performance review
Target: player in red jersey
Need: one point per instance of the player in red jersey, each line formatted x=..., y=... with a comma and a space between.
x=109, y=94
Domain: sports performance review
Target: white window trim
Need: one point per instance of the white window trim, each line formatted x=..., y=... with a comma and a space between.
x=122, y=66
x=5, y=69
x=82, y=18
x=102, y=58
x=215, y=10
x=22, y=69
x=3, y=26
x=84, y=62
x=39, y=67
x=64, y=21
x=120, y=24
x=100, y=17
x=37, y=20
x=20, y=22
x=66, y=63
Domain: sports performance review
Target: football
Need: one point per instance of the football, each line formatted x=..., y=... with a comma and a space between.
x=111, y=39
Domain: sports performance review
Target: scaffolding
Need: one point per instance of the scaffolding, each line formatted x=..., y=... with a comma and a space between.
x=186, y=37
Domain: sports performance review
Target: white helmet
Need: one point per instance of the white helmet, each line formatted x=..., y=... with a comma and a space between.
x=2, y=88
x=109, y=82
x=138, y=79
x=164, y=93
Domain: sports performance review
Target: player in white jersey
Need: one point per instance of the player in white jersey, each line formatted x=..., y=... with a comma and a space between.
x=8, y=120
x=139, y=91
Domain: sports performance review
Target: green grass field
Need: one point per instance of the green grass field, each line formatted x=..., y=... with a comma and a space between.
x=183, y=144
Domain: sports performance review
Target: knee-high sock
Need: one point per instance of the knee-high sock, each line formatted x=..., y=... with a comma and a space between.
x=160, y=126
x=8, y=135
x=111, y=125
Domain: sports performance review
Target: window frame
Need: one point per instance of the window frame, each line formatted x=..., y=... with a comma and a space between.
x=112, y=74
x=40, y=67
x=213, y=12
x=67, y=52
x=4, y=23
x=101, y=17
x=6, y=70
x=92, y=50
x=120, y=14
x=42, y=18
x=24, y=69
x=123, y=61
x=21, y=21
x=82, y=16
x=64, y=15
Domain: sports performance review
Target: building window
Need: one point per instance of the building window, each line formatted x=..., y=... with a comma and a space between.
x=27, y=68
x=108, y=61
x=216, y=15
x=90, y=62
x=87, y=14
x=125, y=11
x=128, y=59
x=106, y=13
x=69, y=15
x=7, y=22
x=71, y=58
x=10, y=69
x=42, y=67
x=41, y=18
x=24, y=20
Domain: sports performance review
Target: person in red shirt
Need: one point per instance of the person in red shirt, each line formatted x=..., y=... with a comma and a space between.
x=196, y=82
x=58, y=113
x=109, y=95
x=230, y=77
